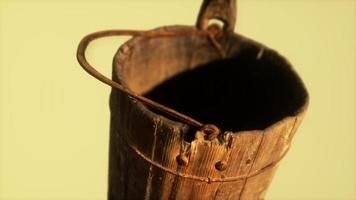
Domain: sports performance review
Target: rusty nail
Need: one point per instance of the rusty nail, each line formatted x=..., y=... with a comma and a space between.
x=248, y=161
x=221, y=165
x=182, y=159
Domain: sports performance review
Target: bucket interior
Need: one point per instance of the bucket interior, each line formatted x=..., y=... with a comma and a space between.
x=250, y=90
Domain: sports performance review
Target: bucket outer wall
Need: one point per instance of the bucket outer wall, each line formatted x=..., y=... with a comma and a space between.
x=139, y=136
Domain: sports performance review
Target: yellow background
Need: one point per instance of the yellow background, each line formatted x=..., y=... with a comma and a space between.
x=54, y=118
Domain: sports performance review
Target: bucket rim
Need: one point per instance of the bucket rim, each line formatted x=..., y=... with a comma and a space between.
x=125, y=49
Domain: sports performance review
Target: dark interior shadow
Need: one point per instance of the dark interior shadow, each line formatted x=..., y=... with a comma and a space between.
x=241, y=93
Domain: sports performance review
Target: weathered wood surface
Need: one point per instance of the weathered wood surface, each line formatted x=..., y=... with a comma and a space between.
x=144, y=145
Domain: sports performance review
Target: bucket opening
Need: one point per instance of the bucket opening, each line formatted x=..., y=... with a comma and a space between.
x=241, y=93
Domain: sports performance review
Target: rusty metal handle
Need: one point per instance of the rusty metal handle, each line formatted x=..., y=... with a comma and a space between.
x=223, y=10
x=84, y=43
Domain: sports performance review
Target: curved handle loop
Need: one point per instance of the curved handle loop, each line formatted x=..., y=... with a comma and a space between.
x=224, y=10
x=84, y=43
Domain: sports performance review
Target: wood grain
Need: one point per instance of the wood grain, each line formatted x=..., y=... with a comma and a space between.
x=141, y=64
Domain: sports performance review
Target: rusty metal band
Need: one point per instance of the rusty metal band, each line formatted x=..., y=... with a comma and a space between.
x=84, y=43
x=207, y=179
x=244, y=178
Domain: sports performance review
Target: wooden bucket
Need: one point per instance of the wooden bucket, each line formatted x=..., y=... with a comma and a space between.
x=252, y=94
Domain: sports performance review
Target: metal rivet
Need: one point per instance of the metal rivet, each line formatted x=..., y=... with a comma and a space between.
x=221, y=165
x=182, y=159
